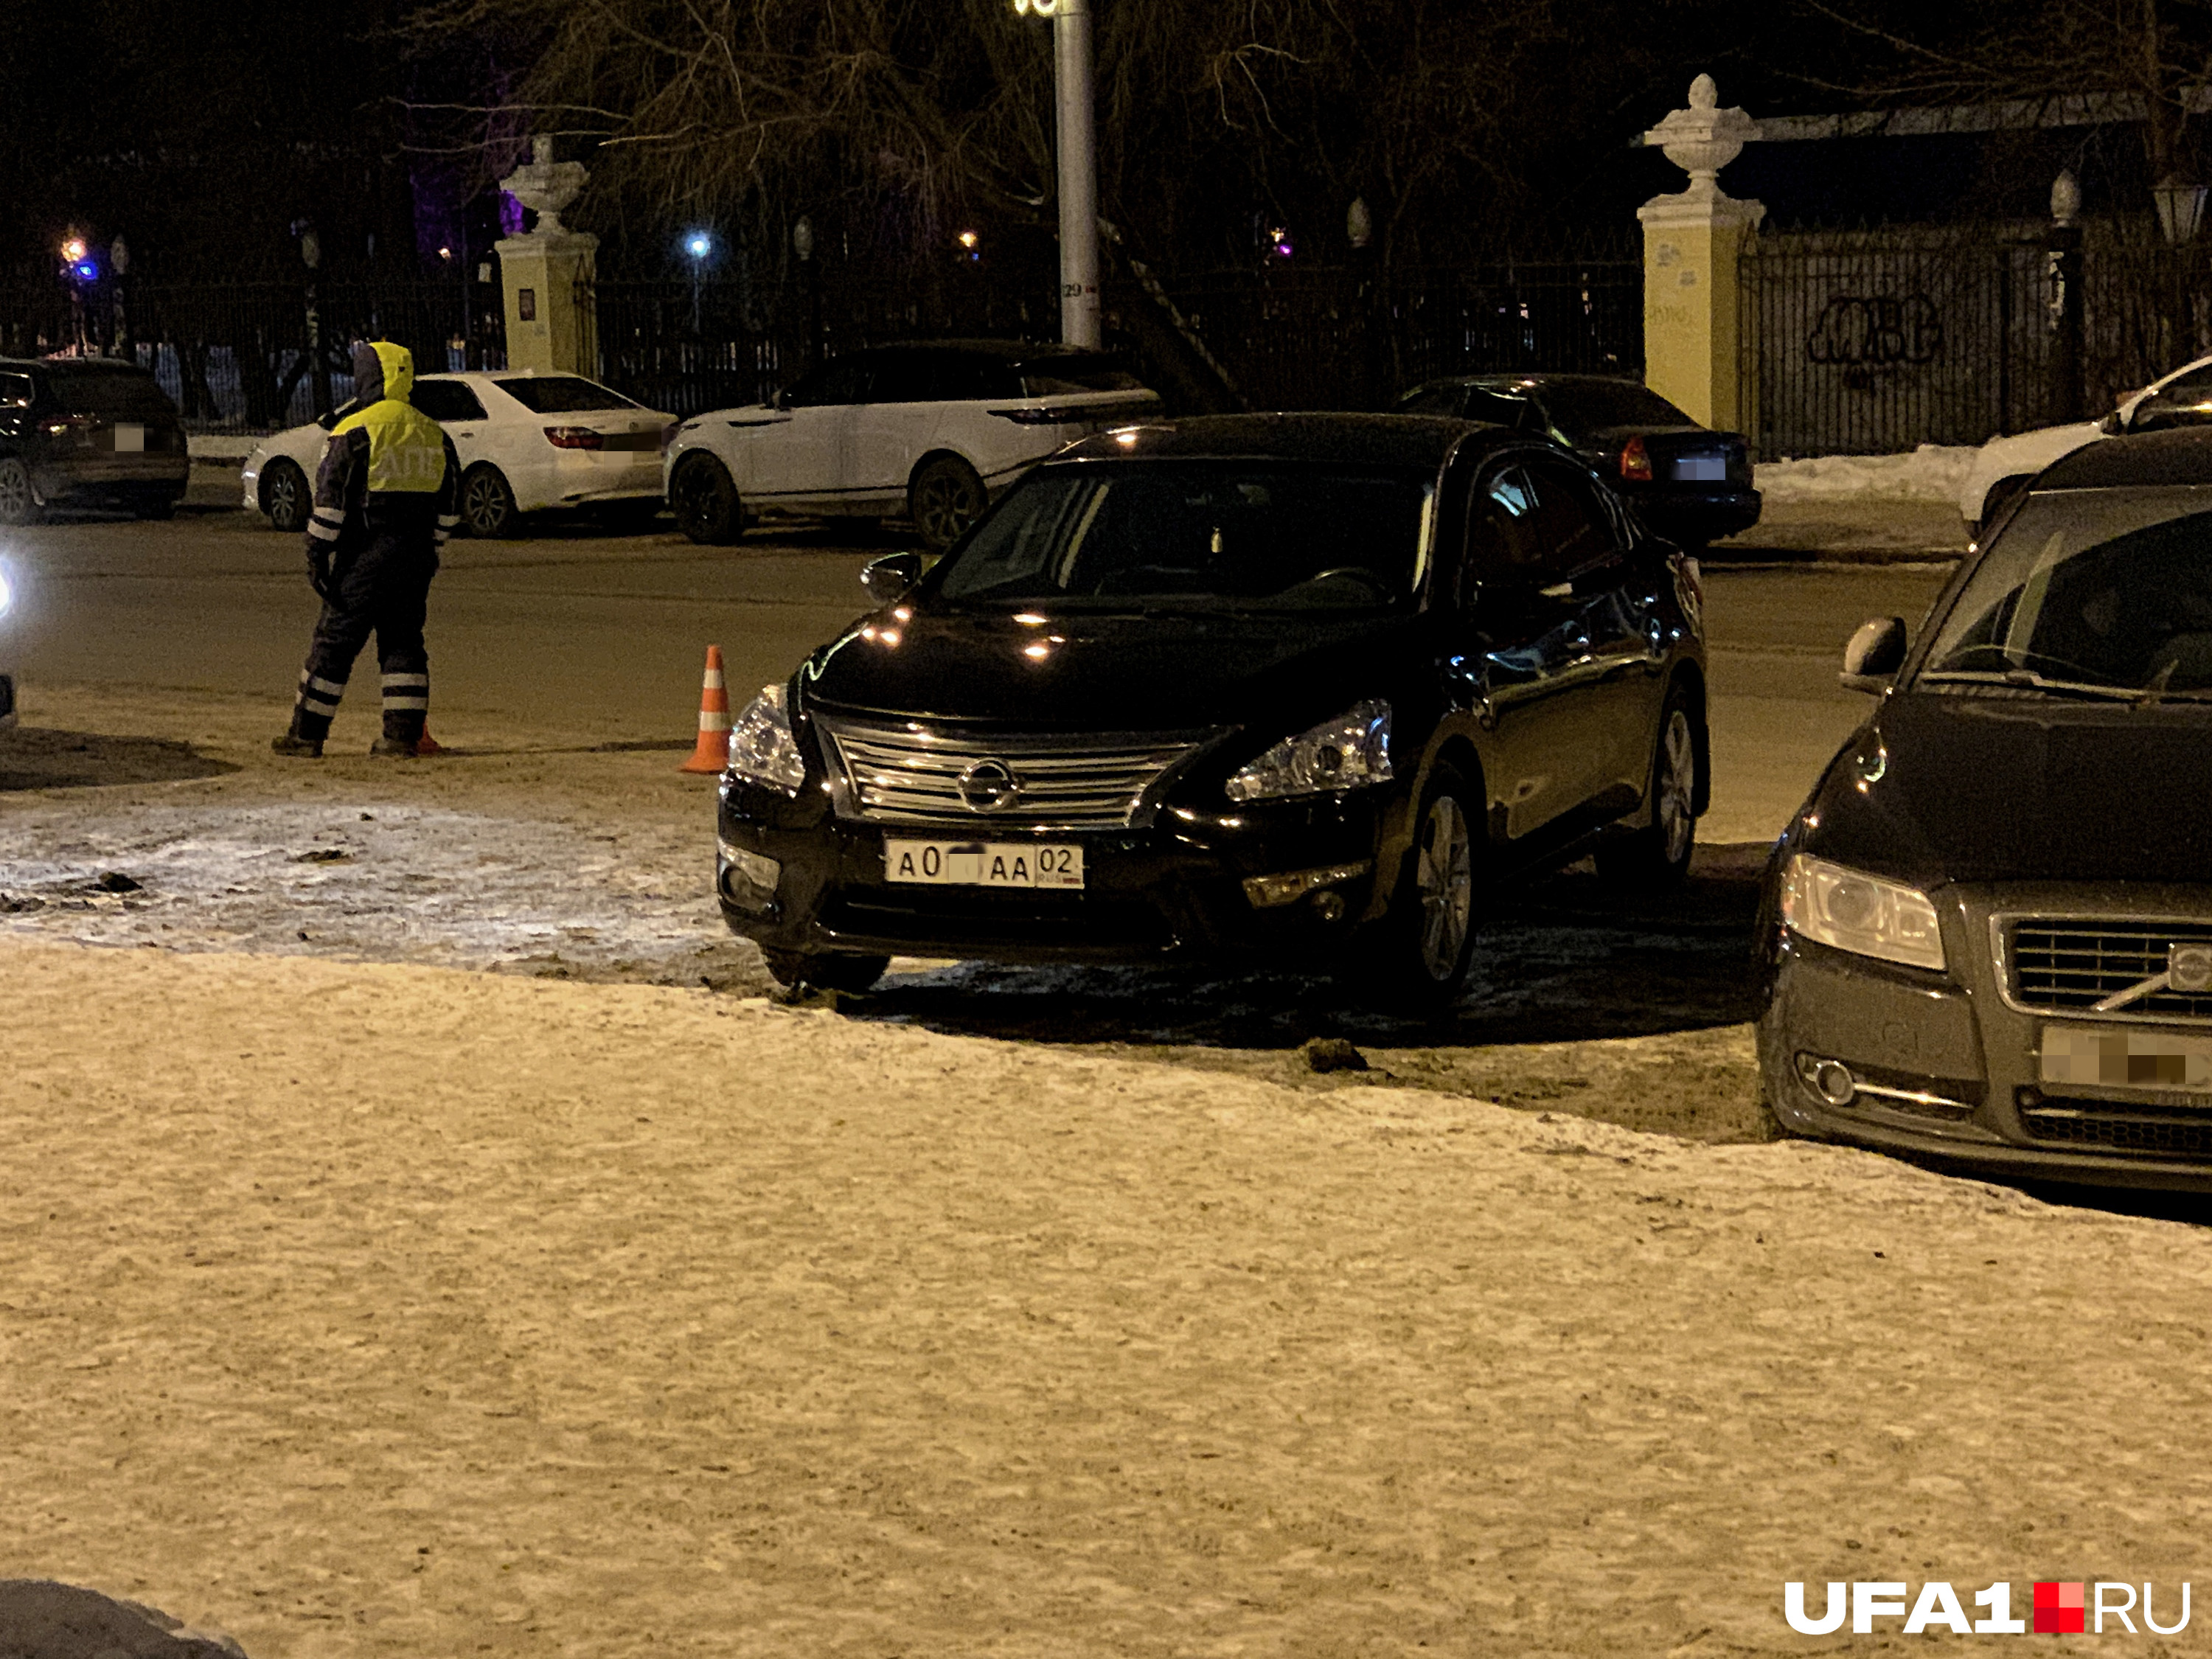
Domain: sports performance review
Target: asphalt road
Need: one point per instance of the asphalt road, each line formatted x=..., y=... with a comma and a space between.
x=581, y=631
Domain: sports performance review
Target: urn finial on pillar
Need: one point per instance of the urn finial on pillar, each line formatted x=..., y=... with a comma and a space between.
x=549, y=272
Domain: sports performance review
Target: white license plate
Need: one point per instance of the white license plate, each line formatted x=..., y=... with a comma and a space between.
x=1699, y=469
x=2118, y=1057
x=982, y=864
x=130, y=439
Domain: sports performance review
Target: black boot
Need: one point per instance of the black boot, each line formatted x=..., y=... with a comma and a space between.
x=292, y=743
x=393, y=748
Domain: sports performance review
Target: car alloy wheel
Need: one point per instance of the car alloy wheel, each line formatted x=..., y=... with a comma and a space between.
x=487, y=503
x=1658, y=854
x=284, y=496
x=705, y=501
x=945, y=498
x=19, y=502
x=1443, y=883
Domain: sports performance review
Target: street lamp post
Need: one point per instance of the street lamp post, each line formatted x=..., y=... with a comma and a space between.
x=1079, y=167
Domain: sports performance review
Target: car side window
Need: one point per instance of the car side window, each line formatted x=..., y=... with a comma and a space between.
x=845, y=379
x=1577, y=528
x=2184, y=401
x=1504, y=535
x=16, y=392
x=1500, y=408
x=447, y=400
x=1432, y=400
x=902, y=377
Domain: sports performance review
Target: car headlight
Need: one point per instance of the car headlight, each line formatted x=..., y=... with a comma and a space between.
x=7, y=593
x=762, y=747
x=1864, y=915
x=1349, y=752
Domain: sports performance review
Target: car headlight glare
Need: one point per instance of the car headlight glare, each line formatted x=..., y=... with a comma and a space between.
x=7, y=593
x=1850, y=910
x=1349, y=752
x=762, y=749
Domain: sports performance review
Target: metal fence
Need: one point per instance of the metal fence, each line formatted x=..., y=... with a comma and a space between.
x=1344, y=338
x=1875, y=341
x=235, y=357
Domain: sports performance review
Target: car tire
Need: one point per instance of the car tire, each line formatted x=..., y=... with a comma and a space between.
x=285, y=496
x=825, y=973
x=943, y=498
x=487, y=508
x=19, y=501
x=705, y=500
x=1657, y=856
x=1417, y=965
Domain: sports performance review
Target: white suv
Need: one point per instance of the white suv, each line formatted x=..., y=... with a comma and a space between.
x=931, y=430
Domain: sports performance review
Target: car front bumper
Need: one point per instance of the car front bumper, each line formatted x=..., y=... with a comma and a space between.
x=1174, y=890
x=1948, y=1067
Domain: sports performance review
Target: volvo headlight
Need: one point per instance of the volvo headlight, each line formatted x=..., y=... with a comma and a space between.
x=1349, y=752
x=762, y=749
x=1864, y=915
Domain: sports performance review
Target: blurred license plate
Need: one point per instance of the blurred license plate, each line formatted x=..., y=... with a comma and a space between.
x=1701, y=469
x=2119, y=1059
x=982, y=864
x=130, y=439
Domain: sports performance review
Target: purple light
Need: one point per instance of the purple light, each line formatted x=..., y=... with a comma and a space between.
x=510, y=214
x=87, y=270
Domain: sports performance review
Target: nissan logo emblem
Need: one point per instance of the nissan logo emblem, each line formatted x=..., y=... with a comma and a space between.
x=989, y=786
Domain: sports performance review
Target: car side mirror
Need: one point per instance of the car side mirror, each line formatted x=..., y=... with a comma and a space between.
x=1873, y=656
x=890, y=579
x=2113, y=424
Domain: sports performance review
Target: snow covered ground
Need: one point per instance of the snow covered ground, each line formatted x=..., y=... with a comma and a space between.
x=1933, y=473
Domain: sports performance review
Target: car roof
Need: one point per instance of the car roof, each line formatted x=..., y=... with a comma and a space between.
x=1012, y=351
x=1531, y=381
x=1421, y=440
x=2183, y=456
x=76, y=365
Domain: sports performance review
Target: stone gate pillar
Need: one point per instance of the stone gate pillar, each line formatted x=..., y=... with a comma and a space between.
x=1693, y=326
x=551, y=322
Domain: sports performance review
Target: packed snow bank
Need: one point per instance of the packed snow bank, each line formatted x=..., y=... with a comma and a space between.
x=1933, y=473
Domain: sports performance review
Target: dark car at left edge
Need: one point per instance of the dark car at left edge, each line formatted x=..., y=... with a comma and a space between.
x=87, y=432
x=1291, y=688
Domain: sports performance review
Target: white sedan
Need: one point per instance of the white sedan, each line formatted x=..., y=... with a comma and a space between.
x=526, y=441
x=2006, y=465
x=932, y=430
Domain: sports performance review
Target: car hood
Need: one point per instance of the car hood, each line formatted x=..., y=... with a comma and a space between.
x=1110, y=673
x=1940, y=787
x=2022, y=455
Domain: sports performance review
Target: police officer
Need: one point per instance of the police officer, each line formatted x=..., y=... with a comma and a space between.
x=384, y=506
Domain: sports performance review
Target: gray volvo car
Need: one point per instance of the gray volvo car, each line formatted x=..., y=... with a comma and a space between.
x=1988, y=935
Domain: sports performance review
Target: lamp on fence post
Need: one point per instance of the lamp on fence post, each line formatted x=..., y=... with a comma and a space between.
x=2180, y=206
x=118, y=262
x=696, y=246
x=2063, y=277
x=319, y=369
x=802, y=244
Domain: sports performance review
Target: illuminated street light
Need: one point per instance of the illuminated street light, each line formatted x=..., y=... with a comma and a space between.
x=1079, y=167
x=73, y=250
x=698, y=245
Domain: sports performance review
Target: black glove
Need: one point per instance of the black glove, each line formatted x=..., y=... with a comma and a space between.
x=319, y=571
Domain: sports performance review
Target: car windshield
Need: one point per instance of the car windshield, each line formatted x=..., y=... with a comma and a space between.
x=2104, y=593
x=1056, y=377
x=1198, y=535
x=562, y=394
x=108, y=392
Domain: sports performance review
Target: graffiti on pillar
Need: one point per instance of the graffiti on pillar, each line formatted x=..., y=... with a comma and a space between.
x=1877, y=331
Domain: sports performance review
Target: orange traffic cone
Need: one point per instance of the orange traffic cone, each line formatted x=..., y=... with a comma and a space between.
x=713, y=752
x=427, y=745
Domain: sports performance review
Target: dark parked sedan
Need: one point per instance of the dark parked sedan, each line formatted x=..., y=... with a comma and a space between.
x=1290, y=685
x=1692, y=483
x=87, y=432
x=1990, y=931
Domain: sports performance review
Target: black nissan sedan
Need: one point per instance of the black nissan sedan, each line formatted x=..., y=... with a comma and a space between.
x=1989, y=932
x=1693, y=484
x=1297, y=686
